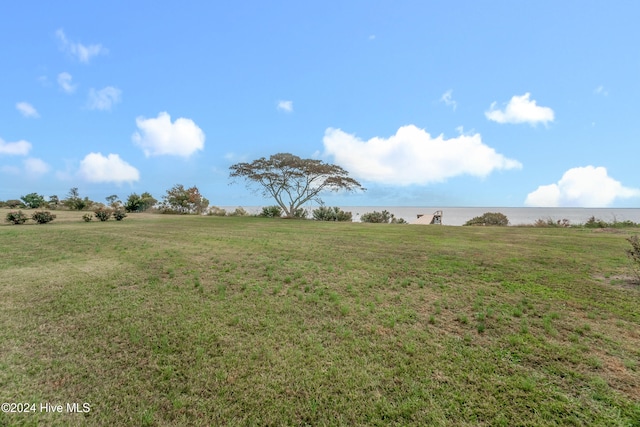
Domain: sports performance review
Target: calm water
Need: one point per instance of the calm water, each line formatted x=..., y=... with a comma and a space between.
x=517, y=216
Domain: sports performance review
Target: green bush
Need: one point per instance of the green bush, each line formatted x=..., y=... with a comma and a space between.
x=16, y=218
x=324, y=213
x=634, y=254
x=102, y=214
x=43, y=217
x=273, y=211
x=549, y=222
x=300, y=213
x=119, y=214
x=594, y=222
x=489, y=218
x=376, y=217
x=87, y=217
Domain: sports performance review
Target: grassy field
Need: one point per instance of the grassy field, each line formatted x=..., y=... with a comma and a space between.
x=172, y=321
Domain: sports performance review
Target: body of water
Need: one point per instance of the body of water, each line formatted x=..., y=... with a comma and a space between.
x=517, y=216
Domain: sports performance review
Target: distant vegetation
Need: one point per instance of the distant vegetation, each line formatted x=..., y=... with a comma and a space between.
x=325, y=213
x=489, y=218
x=384, y=217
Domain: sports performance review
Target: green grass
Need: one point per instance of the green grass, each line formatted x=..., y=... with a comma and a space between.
x=183, y=320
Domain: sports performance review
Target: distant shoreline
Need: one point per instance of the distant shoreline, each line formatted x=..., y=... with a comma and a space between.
x=460, y=215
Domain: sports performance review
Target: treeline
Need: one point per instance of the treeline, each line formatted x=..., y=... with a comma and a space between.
x=177, y=199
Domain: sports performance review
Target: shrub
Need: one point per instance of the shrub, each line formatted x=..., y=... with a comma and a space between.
x=273, y=211
x=216, y=211
x=87, y=217
x=594, y=222
x=376, y=217
x=119, y=214
x=43, y=217
x=300, y=213
x=634, y=254
x=33, y=200
x=16, y=218
x=13, y=204
x=102, y=214
x=549, y=222
x=395, y=220
x=324, y=213
x=489, y=218
x=239, y=212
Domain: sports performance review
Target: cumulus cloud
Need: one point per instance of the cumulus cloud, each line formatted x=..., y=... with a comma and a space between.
x=447, y=98
x=78, y=50
x=520, y=109
x=27, y=110
x=286, y=106
x=587, y=186
x=103, y=99
x=161, y=137
x=35, y=167
x=64, y=81
x=97, y=168
x=413, y=156
x=18, y=148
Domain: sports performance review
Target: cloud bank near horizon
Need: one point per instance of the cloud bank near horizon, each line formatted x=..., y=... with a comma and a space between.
x=587, y=186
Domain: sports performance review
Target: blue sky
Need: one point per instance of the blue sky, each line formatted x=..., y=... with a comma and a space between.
x=457, y=103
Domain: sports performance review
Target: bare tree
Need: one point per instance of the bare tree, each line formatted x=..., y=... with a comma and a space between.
x=292, y=181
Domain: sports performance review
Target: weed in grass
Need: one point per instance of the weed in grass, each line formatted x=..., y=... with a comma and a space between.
x=481, y=327
x=462, y=319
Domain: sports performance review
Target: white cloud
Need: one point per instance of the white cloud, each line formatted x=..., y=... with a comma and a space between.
x=413, y=156
x=587, y=186
x=520, y=110
x=600, y=90
x=161, y=137
x=64, y=81
x=97, y=168
x=447, y=98
x=103, y=99
x=286, y=106
x=78, y=50
x=35, y=167
x=27, y=110
x=18, y=148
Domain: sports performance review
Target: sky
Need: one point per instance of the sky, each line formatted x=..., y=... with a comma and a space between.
x=425, y=103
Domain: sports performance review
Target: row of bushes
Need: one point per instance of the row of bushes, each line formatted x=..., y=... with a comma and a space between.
x=103, y=214
x=44, y=217
x=41, y=217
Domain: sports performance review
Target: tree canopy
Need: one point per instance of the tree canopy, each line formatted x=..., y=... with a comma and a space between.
x=292, y=181
x=184, y=200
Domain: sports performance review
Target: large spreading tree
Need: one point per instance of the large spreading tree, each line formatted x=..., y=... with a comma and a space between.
x=292, y=181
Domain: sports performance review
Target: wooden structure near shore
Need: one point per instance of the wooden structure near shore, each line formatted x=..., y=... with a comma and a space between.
x=435, y=218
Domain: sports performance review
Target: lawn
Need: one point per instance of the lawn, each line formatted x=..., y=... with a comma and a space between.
x=185, y=320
